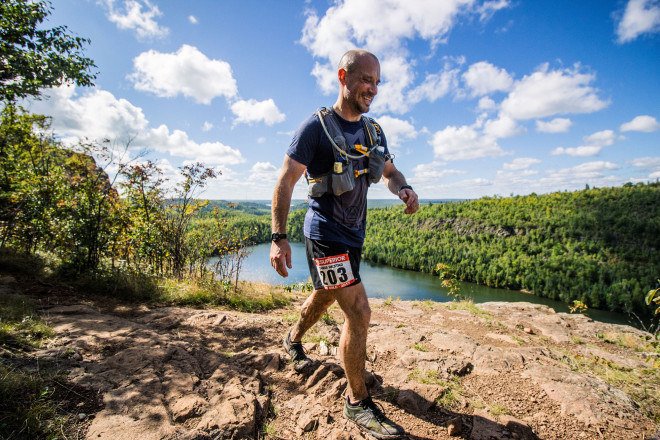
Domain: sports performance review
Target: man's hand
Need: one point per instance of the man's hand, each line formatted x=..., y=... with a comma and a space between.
x=280, y=256
x=409, y=197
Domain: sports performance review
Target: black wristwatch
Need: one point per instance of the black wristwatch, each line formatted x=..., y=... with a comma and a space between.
x=276, y=236
x=405, y=187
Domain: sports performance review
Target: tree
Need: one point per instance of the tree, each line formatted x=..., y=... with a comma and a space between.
x=182, y=209
x=33, y=58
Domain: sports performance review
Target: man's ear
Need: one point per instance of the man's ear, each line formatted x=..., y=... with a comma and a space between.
x=341, y=74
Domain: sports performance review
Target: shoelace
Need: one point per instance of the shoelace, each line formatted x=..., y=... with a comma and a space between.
x=298, y=348
x=376, y=409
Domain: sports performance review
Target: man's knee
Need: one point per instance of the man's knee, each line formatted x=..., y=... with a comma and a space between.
x=360, y=312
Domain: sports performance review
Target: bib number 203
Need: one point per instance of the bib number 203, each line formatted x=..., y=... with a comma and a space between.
x=335, y=272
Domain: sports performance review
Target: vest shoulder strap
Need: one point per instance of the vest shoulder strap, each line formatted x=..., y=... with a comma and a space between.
x=335, y=133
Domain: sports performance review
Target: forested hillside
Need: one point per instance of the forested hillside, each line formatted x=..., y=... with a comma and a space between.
x=599, y=246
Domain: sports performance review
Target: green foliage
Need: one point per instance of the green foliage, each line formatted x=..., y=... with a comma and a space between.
x=300, y=286
x=32, y=58
x=597, y=246
x=63, y=202
x=652, y=298
x=449, y=280
x=578, y=307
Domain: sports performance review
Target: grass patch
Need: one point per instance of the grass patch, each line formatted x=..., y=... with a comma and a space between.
x=315, y=337
x=427, y=377
x=20, y=326
x=425, y=305
x=627, y=340
x=450, y=397
x=467, y=305
x=328, y=319
x=34, y=400
x=26, y=410
x=291, y=317
x=249, y=298
x=498, y=409
x=641, y=384
x=420, y=347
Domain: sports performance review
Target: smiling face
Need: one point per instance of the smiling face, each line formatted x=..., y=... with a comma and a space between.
x=359, y=86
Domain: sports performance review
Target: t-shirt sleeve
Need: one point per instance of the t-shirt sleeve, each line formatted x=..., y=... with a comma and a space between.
x=305, y=141
x=383, y=141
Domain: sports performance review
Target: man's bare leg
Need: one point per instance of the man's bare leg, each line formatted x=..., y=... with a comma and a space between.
x=312, y=310
x=353, y=342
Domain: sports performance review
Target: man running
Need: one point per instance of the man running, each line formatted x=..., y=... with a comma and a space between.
x=335, y=226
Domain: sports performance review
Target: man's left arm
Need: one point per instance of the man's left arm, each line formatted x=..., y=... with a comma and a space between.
x=394, y=181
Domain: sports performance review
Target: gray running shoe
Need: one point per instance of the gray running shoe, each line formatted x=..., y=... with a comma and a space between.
x=297, y=354
x=368, y=416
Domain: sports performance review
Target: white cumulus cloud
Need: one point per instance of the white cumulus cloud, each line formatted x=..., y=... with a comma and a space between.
x=385, y=28
x=640, y=17
x=434, y=86
x=98, y=115
x=396, y=131
x=520, y=163
x=429, y=174
x=582, y=172
x=502, y=127
x=603, y=138
x=187, y=72
x=643, y=123
x=582, y=151
x=137, y=15
x=549, y=92
x=263, y=172
x=487, y=104
x=484, y=78
x=593, y=144
x=557, y=125
x=251, y=111
x=177, y=143
x=465, y=142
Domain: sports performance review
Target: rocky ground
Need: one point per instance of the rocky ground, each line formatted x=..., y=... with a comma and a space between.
x=499, y=371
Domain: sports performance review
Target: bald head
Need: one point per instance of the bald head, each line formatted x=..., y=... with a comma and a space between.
x=352, y=59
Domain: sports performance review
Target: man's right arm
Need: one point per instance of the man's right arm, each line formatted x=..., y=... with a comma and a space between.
x=280, y=251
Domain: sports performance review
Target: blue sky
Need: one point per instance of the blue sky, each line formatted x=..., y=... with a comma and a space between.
x=478, y=98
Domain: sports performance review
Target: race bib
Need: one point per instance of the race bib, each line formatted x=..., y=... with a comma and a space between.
x=335, y=272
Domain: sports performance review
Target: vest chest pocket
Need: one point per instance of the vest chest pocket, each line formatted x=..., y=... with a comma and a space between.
x=344, y=181
x=318, y=186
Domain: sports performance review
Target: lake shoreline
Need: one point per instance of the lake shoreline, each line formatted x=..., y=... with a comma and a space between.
x=383, y=282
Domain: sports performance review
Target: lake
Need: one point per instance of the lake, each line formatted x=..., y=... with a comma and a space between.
x=384, y=281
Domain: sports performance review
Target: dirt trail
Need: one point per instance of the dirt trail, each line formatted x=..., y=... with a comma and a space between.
x=513, y=371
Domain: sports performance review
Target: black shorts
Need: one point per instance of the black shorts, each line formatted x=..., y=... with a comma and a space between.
x=333, y=265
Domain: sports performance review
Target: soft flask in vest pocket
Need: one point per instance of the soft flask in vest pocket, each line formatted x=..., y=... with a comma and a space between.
x=343, y=177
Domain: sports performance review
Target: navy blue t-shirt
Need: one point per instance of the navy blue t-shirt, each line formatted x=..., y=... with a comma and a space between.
x=337, y=218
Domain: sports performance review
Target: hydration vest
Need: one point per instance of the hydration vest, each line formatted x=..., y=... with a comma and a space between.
x=341, y=177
